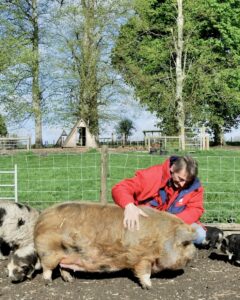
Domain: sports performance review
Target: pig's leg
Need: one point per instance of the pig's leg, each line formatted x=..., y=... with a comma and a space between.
x=49, y=263
x=47, y=274
x=66, y=276
x=143, y=272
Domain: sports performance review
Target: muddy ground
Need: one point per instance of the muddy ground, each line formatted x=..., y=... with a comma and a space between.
x=207, y=277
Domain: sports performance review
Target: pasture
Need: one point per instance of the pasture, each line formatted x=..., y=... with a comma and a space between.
x=46, y=178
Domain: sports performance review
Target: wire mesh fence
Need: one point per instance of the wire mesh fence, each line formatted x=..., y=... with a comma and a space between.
x=50, y=178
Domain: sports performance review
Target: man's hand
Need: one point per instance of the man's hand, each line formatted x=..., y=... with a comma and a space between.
x=131, y=216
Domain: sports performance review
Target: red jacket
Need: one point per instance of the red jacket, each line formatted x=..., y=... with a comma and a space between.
x=146, y=185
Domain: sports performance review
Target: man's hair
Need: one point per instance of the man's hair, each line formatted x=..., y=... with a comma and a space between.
x=187, y=163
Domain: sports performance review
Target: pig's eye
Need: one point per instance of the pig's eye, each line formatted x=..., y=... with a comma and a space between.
x=186, y=243
x=224, y=242
x=25, y=269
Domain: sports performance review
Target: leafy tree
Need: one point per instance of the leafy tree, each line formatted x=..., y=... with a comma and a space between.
x=125, y=128
x=21, y=93
x=3, y=127
x=215, y=74
x=87, y=78
x=146, y=55
x=54, y=60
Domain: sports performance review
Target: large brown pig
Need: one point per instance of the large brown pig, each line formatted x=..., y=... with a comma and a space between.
x=91, y=237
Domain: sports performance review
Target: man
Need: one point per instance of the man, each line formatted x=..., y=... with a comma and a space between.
x=172, y=186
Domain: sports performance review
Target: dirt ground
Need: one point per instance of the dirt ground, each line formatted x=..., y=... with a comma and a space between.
x=207, y=277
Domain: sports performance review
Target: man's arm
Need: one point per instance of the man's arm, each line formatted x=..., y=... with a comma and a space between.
x=131, y=216
x=125, y=193
x=143, y=185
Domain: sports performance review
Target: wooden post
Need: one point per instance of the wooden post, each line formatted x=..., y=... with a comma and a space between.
x=104, y=172
x=113, y=140
x=149, y=144
x=123, y=139
x=203, y=137
x=207, y=142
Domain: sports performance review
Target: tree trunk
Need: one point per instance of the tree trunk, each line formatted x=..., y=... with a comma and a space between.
x=88, y=106
x=36, y=94
x=218, y=136
x=180, y=112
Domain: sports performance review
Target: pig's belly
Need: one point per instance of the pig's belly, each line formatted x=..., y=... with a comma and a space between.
x=73, y=267
x=78, y=264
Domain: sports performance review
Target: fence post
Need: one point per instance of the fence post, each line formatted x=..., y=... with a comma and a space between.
x=28, y=143
x=207, y=142
x=149, y=143
x=203, y=137
x=104, y=172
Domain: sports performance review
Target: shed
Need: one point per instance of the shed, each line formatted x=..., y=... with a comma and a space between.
x=61, y=139
x=80, y=136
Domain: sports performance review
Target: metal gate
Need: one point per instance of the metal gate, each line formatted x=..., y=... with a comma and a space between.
x=11, y=185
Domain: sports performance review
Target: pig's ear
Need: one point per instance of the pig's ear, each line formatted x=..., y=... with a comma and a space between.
x=185, y=234
x=225, y=242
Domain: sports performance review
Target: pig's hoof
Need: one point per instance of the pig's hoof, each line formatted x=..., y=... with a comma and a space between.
x=66, y=276
x=47, y=282
x=146, y=287
x=146, y=282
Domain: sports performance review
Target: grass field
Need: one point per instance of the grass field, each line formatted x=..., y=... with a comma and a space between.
x=44, y=179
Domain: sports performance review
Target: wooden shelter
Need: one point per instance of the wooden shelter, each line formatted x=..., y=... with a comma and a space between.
x=61, y=139
x=80, y=136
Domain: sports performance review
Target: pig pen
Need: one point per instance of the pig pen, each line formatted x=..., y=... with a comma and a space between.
x=207, y=277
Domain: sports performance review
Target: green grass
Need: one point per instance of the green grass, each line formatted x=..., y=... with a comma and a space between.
x=50, y=178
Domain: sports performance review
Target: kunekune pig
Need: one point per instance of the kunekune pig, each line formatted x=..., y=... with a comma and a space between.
x=214, y=237
x=16, y=239
x=231, y=246
x=92, y=238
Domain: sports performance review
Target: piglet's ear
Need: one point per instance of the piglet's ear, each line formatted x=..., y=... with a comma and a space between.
x=185, y=233
x=225, y=242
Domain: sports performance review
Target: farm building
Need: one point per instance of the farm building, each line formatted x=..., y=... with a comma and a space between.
x=80, y=136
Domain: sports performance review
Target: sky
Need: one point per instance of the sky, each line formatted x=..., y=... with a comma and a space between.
x=234, y=135
x=142, y=119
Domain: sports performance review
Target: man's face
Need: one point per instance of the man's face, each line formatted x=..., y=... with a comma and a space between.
x=180, y=178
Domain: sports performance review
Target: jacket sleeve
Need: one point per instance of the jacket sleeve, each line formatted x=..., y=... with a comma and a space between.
x=194, y=208
x=124, y=191
x=141, y=185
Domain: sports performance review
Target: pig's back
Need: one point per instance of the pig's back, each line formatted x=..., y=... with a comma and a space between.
x=85, y=219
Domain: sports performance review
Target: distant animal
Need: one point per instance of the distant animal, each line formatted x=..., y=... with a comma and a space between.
x=231, y=246
x=16, y=239
x=92, y=238
x=214, y=237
